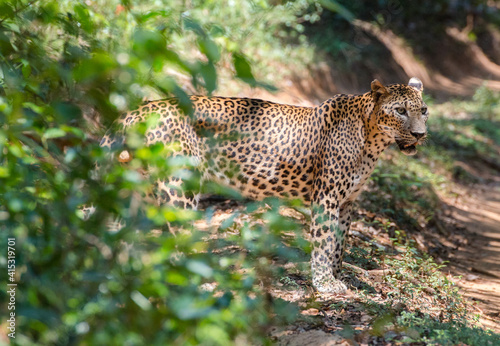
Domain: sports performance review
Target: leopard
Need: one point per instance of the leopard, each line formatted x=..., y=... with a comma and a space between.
x=322, y=155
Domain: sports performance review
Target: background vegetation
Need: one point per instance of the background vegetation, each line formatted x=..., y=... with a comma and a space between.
x=69, y=68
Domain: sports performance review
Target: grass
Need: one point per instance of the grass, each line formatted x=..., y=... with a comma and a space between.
x=414, y=302
x=403, y=296
x=466, y=130
x=432, y=332
x=410, y=300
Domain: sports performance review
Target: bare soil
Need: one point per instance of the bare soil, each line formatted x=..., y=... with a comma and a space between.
x=473, y=216
x=478, y=260
x=467, y=235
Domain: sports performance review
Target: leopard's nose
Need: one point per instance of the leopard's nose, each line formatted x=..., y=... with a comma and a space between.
x=418, y=135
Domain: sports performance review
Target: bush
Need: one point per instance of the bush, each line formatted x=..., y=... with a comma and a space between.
x=65, y=66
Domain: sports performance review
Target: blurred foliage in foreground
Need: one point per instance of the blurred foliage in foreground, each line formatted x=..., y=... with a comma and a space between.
x=61, y=63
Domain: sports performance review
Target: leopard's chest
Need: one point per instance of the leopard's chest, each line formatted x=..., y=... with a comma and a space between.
x=361, y=174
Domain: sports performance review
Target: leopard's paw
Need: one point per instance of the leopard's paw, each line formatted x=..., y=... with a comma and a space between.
x=331, y=286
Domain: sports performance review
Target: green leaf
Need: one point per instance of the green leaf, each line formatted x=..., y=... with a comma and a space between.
x=184, y=100
x=338, y=8
x=143, y=18
x=217, y=30
x=244, y=72
x=186, y=309
x=83, y=17
x=140, y=300
x=26, y=69
x=176, y=278
x=209, y=76
x=98, y=67
x=74, y=130
x=4, y=172
x=67, y=111
x=191, y=24
x=54, y=133
x=35, y=108
x=243, y=69
x=16, y=205
x=200, y=268
x=147, y=43
x=209, y=48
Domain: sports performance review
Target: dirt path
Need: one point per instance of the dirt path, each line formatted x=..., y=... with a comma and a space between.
x=478, y=261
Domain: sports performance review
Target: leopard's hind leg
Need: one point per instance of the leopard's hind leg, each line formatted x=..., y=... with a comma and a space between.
x=182, y=189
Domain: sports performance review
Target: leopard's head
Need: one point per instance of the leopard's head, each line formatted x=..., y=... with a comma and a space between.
x=401, y=113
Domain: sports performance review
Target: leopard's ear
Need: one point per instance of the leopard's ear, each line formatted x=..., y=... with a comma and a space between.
x=378, y=91
x=416, y=83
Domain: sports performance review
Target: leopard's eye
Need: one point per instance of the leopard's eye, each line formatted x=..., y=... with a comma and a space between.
x=401, y=110
x=424, y=110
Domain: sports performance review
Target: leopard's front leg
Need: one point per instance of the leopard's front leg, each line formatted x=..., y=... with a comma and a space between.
x=328, y=237
x=345, y=213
